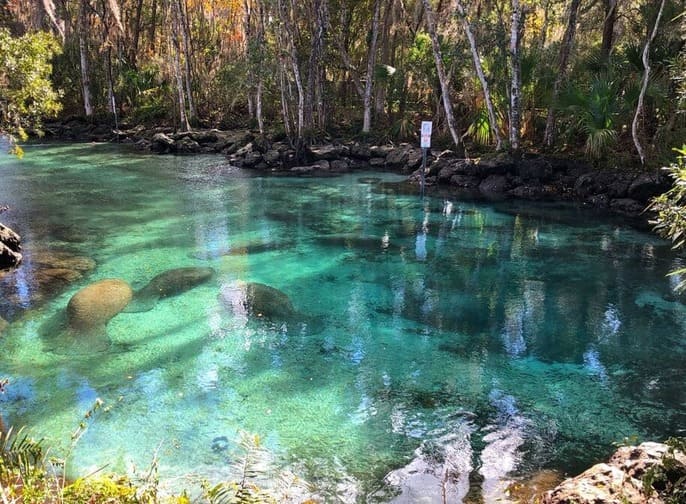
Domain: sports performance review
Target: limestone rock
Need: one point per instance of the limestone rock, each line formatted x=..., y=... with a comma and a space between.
x=494, y=184
x=619, y=481
x=94, y=305
x=271, y=157
x=328, y=152
x=627, y=206
x=161, y=143
x=380, y=151
x=360, y=151
x=10, y=248
x=397, y=157
x=339, y=165
x=464, y=181
x=251, y=159
x=187, y=145
x=646, y=186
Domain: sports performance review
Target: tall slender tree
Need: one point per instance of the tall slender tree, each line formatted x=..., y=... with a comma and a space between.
x=565, y=50
x=440, y=70
x=492, y=118
x=516, y=27
x=83, y=31
x=644, y=84
x=371, y=64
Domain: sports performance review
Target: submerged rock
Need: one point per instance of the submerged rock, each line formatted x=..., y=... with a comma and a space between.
x=167, y=284
x=621, y=479
x=439, y=471
x=94, y=305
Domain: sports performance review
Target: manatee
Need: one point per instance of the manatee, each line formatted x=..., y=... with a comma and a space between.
x=253, y=299
x=167, y=284
x=92, y=307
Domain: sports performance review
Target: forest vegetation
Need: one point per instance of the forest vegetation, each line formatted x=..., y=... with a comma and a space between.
x=603, y=79
x=596, y=78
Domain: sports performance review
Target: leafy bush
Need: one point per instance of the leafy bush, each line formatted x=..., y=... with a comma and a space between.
x=671, y=208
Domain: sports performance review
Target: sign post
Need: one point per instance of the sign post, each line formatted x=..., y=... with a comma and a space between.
x=425, y=145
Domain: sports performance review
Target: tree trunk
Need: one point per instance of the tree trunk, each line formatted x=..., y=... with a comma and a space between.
x=371, y=63
x=153, y=25
x=284, y=101
x=260, y=76
x=258, y=107
x=188, y=52
x=480, y=72
x=516, y=75
x=49, y=7
x=183, y=117
x=136, y=34
x=565, y=49
x=289, y=35
x=314, y=80
x=443, y=79
x=644, y=85
x=111, y=103
x=608, y=29
x=380, y=97
x=83, y=54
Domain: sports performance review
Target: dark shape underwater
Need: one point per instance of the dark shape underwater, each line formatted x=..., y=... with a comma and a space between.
x=167, y=284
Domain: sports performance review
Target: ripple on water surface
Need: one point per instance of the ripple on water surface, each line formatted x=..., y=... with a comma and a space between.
x=410, y=336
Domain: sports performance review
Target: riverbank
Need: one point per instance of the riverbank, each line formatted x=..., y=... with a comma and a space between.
x=532, y=177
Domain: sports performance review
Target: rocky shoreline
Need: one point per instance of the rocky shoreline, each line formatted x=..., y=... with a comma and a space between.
x=531, y=177
x=650, y=473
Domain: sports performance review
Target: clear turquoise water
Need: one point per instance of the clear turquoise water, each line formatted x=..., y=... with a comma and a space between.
x=541, y=333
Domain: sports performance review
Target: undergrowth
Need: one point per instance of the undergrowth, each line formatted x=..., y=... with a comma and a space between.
x=28, y=475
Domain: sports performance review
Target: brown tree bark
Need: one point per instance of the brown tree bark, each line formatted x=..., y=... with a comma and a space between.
x=442, y=77
x=133, y=54
x=516, y=27
x=176, y=43
x=565, y=50
x=83, y=57
x=371, y=63
x=644, y=84
x=480, y=72
x=608, y=29
x=288, y=35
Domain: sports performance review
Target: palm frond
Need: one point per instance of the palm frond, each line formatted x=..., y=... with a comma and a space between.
x=19, y=454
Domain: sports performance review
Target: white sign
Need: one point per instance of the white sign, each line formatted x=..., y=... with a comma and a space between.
x=426, y=134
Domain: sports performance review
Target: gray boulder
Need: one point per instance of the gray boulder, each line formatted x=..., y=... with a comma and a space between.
x=647, y=185
x=162, y=143
x=187, y=145
x=10, y=248
x=494, y=184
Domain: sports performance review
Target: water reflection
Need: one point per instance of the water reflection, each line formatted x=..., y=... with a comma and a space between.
x=384, y=344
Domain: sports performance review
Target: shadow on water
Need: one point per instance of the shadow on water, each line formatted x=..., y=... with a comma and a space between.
x=533, y=332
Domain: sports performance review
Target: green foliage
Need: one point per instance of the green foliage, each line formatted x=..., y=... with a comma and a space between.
x=19, y=456
x=102, y=489
x=593, y=111
x=480, y=128
x=668, y=478
x=671, y=208
x=143, y=93
x=26, y=92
